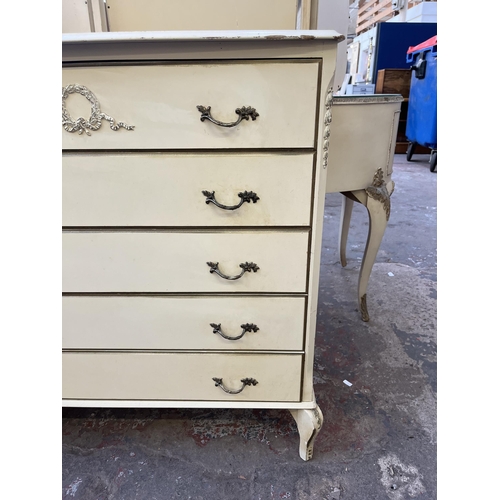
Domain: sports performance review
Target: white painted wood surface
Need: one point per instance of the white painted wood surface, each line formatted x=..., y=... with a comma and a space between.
x=309, y=423
x=153, y=15
x=140, y=260
x=177, y=261
x=173, y=403
x=377, y=220
x=363, y=139
x=161, y=101
x=180, y=376
x=166, y=189
x=304, y=38
x=111, y=322
x=75, y=16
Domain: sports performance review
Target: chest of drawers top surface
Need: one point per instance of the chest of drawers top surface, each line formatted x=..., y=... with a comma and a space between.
x=204, y=36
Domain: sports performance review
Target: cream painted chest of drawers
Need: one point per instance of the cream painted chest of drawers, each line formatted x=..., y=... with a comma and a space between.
x=194, y=174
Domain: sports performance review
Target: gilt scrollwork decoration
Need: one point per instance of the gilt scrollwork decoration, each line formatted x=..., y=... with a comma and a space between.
x=364, y=309
x=379, y=192
x=327, y=121
x=94, y=122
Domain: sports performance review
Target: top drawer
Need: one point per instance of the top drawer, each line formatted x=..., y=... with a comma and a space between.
x=161, y=102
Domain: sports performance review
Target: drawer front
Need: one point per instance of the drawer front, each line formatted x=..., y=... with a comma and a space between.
x=180, y=376
x=167, y=190
x=108, y=322
x=160, y=101
x=177, y=262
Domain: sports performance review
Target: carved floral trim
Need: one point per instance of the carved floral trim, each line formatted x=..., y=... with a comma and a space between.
x=327, y=121
x=378, y=191
x=94, y=122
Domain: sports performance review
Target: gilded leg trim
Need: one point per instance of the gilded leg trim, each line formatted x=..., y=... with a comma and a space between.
x=378, y=191
x=364, y=308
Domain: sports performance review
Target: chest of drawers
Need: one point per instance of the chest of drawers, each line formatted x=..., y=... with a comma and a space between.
x=194, y=174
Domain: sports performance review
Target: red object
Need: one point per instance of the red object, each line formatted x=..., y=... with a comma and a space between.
x=428, y=43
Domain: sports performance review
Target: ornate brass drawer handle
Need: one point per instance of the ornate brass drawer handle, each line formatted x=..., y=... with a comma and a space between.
x=246, y=267
x=244, y=113
x=246, y=196
x=247, y=327
x=244, y=381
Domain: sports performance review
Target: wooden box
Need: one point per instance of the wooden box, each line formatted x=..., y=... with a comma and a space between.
x=398, y=81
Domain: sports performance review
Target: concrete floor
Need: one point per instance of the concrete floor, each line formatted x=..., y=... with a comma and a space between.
x=379, y=435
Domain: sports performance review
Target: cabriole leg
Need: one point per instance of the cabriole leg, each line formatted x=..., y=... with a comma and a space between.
x=378, y=224
x=376, y=199
x=345, y=221
x=309, y=423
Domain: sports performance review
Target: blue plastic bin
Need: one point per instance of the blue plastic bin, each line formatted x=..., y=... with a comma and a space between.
x=421, y=125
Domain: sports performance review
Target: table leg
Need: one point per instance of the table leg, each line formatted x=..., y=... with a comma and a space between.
x=376, y=199
x=345, y=220
x=378, y=223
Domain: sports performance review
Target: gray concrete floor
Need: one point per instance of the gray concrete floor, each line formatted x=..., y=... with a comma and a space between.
x=379, y=436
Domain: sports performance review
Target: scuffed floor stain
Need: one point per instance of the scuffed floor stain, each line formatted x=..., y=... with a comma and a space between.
x=398, y=479
x=315, y=486
x=250, y=425
x=106, y=423
x=73, y=487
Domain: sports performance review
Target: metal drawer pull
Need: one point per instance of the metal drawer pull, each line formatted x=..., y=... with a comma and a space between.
x=247, y=327
x=246, y=267
x=246, y=196
x=244, y=381
x=243, y=113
